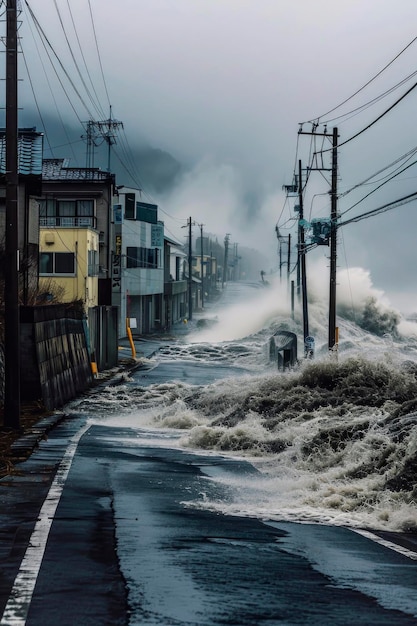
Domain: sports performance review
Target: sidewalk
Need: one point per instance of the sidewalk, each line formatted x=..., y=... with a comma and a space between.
x=40, y=423
x=36, y=422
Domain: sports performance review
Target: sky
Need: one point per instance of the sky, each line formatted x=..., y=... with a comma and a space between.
x=223, y=86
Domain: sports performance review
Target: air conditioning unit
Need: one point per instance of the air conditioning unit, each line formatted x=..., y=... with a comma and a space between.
x=49, y=238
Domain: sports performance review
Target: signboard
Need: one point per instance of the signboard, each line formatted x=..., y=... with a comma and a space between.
x=309, y=344
x=116, y=266
x=117, y=213
x=157, y=236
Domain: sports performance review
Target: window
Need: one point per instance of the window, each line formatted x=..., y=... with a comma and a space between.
x=93, y=263
x=143, y=257
x=57, y=263
x=70, y=213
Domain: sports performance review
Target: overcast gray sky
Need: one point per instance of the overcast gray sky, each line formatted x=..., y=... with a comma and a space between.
x=223, y=85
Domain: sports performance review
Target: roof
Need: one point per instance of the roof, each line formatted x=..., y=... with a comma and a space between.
x=173, y=242
x=29, y=150
x=57, y=169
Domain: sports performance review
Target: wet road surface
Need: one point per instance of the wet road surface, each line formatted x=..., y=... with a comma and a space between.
x=127, y=545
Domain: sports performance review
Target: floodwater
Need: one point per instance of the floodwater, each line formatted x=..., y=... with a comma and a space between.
x=319, y=462
x=334, y=440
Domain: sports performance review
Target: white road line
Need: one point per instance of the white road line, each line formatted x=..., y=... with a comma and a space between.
x=384, y=542
x=17, y=607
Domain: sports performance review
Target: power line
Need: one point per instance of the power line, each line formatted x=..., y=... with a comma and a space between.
x=95, y=104
x=407, y=155
x=349, y=114
x=98, y=52
x=81, y=52
x=379, y=187
x=384, y=208
x=375, y=120
x=45, y=41
x=316, y=119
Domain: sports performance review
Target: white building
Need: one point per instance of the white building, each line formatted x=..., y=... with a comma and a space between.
x=138, y=263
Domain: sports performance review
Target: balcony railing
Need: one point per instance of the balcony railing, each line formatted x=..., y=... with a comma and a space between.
x=68, y=222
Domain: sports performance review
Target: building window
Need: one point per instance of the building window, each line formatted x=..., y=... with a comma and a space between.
x=52, y=263
x=143, y=257
x=93, y=266
x=69, y=213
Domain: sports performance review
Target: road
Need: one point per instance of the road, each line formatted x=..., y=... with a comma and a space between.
x=108, y=522
x=119, y=545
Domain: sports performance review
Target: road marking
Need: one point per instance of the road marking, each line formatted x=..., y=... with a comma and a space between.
x=388, y=544
x=17, y=607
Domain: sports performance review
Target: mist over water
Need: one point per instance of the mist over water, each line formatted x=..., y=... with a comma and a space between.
x=334, y=439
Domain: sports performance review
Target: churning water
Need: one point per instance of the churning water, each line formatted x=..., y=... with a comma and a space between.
x=334, y=439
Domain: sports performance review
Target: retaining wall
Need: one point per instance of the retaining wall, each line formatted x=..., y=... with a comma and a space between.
x=55, y=362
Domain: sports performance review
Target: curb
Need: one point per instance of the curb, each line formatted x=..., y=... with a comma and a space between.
x=22, y=448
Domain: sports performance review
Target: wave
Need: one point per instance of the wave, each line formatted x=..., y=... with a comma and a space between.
x=334, y=440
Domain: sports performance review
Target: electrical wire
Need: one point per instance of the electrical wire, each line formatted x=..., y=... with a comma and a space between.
x=35, y=99
x=317, y=119
x=375, y=120
x=64, y=127
x=379, y=186
x=47, y=44
x=383, y=209
x=95, y=103
x=350, y=114
x=407, y=155
x=98, y=52
x=81, y=52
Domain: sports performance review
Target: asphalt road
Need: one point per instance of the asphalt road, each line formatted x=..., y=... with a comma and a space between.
x=123, y=546
x=99, y=527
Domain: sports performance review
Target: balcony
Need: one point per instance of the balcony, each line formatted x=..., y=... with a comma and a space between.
x=175, y=287
x=68, y=222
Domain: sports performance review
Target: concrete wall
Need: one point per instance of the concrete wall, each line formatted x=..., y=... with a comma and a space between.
x=55, y=362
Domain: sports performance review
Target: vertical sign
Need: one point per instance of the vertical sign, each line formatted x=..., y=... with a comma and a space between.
x=116, y=270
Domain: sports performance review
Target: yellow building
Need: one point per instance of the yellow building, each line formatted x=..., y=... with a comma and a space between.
x=69, y=262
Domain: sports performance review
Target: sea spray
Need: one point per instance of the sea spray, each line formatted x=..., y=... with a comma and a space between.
x=334, y=439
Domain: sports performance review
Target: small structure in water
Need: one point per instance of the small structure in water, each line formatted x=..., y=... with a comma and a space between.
x=283, y=349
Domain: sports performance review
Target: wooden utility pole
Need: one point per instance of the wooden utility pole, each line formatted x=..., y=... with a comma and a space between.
x=226, y=258
x=104, y=129
x=289, y=259
x=202, y=265
x=280, y=261
x=190, y=271
x=333, y=231
x=302, y=254
x=11, y=279
x=333, y=245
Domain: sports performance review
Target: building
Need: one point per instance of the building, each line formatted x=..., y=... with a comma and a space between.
x=76, y=230
x=138, y=263
x=175, y=283
x=75, y=236
x=68, y=264
x=30, y=150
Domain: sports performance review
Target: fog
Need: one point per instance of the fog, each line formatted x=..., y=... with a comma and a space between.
x=219, y=88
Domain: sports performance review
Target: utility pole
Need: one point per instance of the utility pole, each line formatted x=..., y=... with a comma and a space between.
x=226, y=255
x=333, y=246
x=190, y=271
x=104, y=129
x=202, y=265
x=107, y=130
x=280, y=262
x=11, y=282
x=333, y=230
x=280, y=239
x=302, y=255
x=289, y=259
